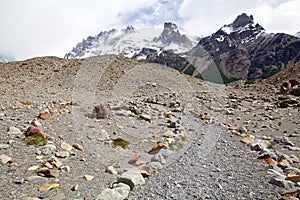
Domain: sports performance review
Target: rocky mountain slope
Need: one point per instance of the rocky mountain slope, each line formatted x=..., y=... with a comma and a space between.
x=109, y=127
x=130, y=41
x=298, y=34
x=244, y=50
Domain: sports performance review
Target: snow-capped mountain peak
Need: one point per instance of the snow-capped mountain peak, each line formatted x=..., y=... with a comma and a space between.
x=130, y=41
x=298, y=34
x=242, y=23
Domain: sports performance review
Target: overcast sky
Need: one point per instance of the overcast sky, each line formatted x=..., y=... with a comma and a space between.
x=31, y=28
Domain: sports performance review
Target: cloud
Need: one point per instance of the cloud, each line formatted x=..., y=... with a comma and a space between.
x=205, y=17
x=52, y=27
x=37, y=28
x=154, y=14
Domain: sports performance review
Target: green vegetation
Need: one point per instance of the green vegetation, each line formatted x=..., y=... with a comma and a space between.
x=190, y=70
x=176, y=145
x=26, y=103
x=249, y=82
x=269, y=71
x=213, y=73
x=37, y=140
x=121, y=143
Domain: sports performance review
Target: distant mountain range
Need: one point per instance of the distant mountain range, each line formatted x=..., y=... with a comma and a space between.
x=239, y=50
x=5, y=59
x=130, y=42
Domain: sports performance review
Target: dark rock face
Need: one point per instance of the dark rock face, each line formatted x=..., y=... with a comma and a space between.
x=242, y=20
x=243, y=49
x=171, y=34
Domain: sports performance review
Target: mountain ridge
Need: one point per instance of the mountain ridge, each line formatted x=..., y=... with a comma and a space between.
x=130, y=41
x=243, y=50
x=239, y=50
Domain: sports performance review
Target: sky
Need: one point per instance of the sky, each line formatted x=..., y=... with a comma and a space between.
x=31, y=28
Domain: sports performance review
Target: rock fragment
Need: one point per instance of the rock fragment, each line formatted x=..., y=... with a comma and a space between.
x=79, y=147
x=48, y=187
x=62, y=154
x=281, y=183
x=100, y=112
x=157, y=148
x=32, y=130
x=66, y=146
x=88, y=177
x=111, y=170
x=75, y=187
x=48, y=172
x=120, y=191
x=13, y=131
x=133, y=178
x=45, y=116
x=4, y=159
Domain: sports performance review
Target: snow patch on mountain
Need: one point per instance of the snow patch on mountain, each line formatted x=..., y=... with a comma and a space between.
x=130, y=41
x=6, y=59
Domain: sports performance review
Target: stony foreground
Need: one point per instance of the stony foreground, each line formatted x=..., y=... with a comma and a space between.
x=114, y=128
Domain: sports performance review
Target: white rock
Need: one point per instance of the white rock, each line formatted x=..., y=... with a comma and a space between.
x=133, y=178
x=33, y=168
x=4, y=158
x=88, y=177
x=119, y=193
x=146, y=117
x=62, y=154
x=66, y=146
x=258, y=145
x=36, y=123
x=14, y=131
x=4, y=146
x=111, y=170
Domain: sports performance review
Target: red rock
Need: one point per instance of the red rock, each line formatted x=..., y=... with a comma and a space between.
x=294, y=178
x=48, y=172
x=147, y=171
x=45, y=116
x=157, y=148
x=134, y=158
x=32, y=130
x=270, y=161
